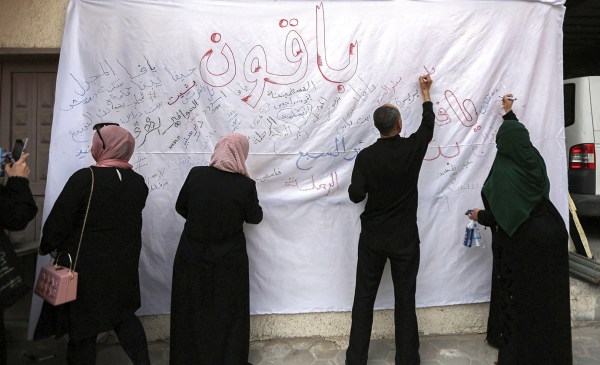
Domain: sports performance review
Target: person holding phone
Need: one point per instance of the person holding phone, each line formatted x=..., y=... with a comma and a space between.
x=18, y=148
x=13, y=156
x=17, y=209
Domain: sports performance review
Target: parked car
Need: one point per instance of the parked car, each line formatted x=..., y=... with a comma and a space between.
x=582, y=138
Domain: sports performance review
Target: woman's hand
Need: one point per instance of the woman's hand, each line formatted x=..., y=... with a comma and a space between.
x=19, y=168
x=473, y=215
x=507, y=102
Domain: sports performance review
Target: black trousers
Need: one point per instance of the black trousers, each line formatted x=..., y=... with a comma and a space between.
x=131, y=336
x=404, y=265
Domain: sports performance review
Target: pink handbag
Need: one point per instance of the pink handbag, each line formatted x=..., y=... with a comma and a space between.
x=58, y=284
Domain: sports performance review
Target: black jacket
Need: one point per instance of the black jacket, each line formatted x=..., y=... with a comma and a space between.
x=215, y=205
x=17, y=206
x=388, y=172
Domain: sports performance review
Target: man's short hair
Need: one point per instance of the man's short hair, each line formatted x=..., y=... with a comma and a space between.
x=385, y=118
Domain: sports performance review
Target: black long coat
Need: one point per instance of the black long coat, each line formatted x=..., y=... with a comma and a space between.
x=210, y=309
x=108, y=290
x=17, y=206
x=529, y=320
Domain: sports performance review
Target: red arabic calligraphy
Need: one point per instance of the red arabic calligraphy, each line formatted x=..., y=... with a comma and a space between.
x=218, y=79
x=256, y=70
x=443, y=151
x=337, y=75
x=468, y=119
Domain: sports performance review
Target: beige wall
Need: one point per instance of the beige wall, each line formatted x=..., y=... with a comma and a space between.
x=457, y=319
x=454, y=319
x=32, y=23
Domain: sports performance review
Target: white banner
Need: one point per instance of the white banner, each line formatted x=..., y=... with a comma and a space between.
x=301, y=79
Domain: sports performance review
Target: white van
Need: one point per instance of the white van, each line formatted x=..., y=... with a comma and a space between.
x=582, y=138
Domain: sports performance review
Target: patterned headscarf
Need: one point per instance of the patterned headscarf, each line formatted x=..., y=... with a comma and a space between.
x=231, y=153
x=119, y=145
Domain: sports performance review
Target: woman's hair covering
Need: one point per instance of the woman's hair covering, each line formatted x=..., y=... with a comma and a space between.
x=518, y=180
x=119, y=145
x=231, y=153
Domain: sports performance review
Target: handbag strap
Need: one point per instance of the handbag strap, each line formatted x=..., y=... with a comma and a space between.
x=87, y=209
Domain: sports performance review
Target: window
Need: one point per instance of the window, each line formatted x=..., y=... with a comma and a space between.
x=569, y=93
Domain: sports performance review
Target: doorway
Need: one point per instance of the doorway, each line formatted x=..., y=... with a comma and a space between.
x=27, y=88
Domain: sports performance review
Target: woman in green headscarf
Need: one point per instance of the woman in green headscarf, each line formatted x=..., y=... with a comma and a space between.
x=529, y=320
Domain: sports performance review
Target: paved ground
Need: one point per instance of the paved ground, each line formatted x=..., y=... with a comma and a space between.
x=435, y=350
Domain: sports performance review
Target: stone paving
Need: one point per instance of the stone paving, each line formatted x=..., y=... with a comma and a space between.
x=435, y=350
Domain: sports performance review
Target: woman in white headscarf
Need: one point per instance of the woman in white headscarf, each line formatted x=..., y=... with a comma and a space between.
x=210, y=310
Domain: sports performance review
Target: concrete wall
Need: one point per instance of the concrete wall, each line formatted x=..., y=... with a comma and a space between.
x=30, y=24
x=456, y=319
x=470, y=318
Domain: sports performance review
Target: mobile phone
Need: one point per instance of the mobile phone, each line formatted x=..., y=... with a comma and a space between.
x=18, y=148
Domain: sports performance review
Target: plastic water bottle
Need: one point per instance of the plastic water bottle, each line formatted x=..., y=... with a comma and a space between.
x=469, y=234
x=478, y=241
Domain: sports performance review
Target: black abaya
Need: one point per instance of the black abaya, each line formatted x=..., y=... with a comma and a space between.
x=210, y=311
x=529, y=317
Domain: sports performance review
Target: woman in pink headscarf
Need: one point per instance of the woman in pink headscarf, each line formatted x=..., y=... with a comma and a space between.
x=108, y=292
x=210, y=312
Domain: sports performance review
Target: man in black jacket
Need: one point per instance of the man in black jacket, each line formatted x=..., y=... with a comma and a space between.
x=17, y=208
x=388, y=172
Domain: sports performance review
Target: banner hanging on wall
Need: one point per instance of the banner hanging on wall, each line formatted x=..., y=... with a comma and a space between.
x=301, y=80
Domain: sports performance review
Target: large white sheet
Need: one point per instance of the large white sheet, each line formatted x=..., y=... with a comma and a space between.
x=301, y=79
